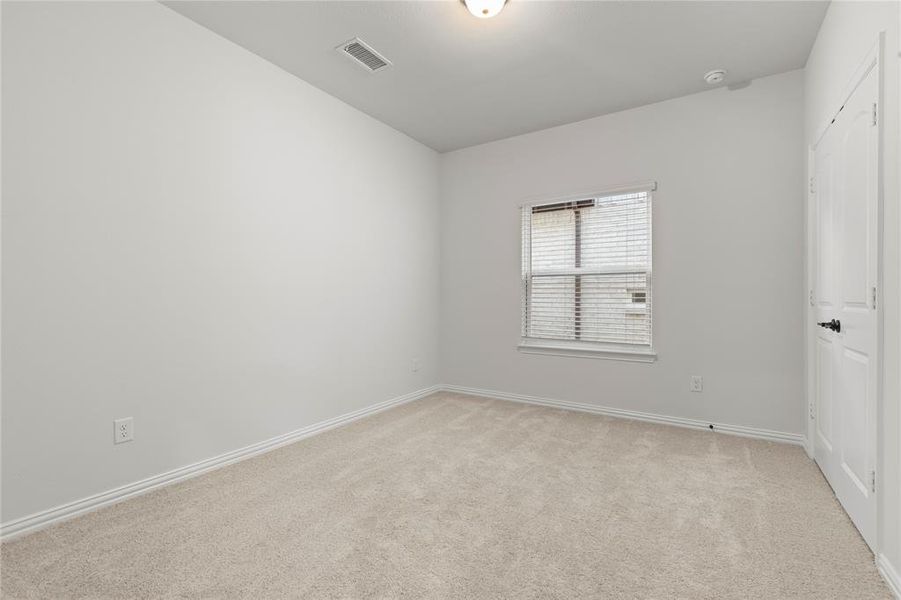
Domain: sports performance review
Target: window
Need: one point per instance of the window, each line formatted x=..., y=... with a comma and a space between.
x=586, y=275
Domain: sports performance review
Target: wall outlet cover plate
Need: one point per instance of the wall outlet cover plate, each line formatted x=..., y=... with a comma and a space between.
x=123, y=430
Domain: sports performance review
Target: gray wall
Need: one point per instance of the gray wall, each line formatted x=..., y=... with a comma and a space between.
x=197, y=239
x=728, y=247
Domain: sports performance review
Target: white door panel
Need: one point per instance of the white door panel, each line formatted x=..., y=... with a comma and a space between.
x=845, y=251
x=824, y=392
x=854, y=214
x=854, y=456
x=825, y=208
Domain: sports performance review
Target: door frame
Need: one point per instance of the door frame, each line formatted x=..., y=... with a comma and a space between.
x=873, y=60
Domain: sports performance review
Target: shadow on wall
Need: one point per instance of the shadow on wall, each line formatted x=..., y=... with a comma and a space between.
x=738, y=86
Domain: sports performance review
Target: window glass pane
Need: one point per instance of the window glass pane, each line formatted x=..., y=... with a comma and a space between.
x=615, y=233
x=553, y=240
x=614, y=308
x=552, y=307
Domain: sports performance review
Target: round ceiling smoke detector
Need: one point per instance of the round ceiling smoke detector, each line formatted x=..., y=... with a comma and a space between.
x=715, y=76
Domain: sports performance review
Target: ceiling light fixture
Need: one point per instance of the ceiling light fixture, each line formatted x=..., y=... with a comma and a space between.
x=484, y=9
x=716, y=76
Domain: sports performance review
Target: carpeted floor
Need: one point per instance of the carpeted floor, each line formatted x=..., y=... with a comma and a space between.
x=462, y=497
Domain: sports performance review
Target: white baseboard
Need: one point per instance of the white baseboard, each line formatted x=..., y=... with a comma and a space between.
x=891, y=576
x=44, y=518
x=751, y=432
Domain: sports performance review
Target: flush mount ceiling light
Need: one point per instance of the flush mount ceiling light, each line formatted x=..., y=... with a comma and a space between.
x=484, y=9
x=716, y=76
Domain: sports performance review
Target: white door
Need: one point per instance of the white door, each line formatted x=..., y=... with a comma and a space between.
x=845, y=356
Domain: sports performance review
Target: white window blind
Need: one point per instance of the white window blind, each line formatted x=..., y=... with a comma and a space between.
x=586, y=271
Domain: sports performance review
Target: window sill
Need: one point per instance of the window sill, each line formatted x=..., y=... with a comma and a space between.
x=601, y=351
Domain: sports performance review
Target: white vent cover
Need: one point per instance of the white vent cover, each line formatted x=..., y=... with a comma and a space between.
x=362, y=54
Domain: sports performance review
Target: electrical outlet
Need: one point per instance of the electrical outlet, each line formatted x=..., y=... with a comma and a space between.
x=414, y=365
x=123, y=430
x=696, y=384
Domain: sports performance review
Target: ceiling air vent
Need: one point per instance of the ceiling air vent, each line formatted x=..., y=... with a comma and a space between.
x=361, y=53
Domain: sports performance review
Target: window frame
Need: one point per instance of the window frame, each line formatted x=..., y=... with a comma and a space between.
x=584, y=349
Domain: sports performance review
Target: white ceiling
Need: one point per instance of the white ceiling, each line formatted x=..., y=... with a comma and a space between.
x=457, y=81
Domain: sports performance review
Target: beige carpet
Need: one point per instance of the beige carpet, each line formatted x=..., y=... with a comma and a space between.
x=462, y=497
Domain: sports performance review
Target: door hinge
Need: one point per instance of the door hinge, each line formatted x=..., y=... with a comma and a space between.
x=874, y=114
x=873, y=481
x=810, y=297
x=812, y=190
x=811, y=410
x=874, y=296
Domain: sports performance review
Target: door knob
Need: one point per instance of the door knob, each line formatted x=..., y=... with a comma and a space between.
x=834, y=325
